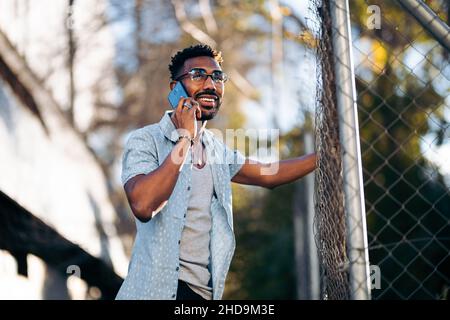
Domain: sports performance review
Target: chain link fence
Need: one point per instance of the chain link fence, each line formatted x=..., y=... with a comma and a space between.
x=402, y=81
x=329, y=221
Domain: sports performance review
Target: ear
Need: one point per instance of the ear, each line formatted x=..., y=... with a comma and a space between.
x=172, y=84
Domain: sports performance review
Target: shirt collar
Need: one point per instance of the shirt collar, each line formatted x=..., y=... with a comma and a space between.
x=171, y=133
x=168, y=128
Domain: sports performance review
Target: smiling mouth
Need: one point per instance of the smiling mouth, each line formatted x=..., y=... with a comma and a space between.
x=207, y=101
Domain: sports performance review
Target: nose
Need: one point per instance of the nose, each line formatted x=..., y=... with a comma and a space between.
x=209, y=83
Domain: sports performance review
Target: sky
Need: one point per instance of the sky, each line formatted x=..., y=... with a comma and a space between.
x=298, y=84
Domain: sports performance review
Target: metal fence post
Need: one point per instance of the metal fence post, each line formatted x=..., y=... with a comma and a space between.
x=306, y=257
x=357, y=247
x=429, y=20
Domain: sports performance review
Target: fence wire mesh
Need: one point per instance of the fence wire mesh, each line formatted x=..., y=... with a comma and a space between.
x=329, y=221
x=403, y=85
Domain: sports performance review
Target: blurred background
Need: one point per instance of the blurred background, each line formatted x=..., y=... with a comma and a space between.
x=77, y=76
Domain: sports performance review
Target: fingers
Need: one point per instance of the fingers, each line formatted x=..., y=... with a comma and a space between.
x=183, y=105
x=195, y=109
x=186, y=114
x=193, y=103
x=179, y=107
x=198, y=112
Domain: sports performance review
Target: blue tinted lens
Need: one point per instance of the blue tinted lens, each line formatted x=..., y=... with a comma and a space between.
x=218, y=76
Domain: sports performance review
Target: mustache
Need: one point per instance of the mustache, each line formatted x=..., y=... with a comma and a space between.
x=208, y=92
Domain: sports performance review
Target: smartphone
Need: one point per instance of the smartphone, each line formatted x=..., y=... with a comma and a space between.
x=176, y=94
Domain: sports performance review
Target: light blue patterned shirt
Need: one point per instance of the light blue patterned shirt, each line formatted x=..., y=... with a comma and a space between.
x=154, y=266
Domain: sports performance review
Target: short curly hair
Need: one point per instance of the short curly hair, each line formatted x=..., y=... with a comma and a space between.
x=199, y=50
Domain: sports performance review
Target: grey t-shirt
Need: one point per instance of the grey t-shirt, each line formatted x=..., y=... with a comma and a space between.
x=195, y=238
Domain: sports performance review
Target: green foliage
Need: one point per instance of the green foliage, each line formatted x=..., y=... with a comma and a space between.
x=263, y=266
x=407, y=200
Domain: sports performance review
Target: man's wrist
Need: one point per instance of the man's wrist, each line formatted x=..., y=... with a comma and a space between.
x=186, y=137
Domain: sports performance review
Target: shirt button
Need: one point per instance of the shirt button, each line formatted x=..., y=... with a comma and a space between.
x=178, y=268
x=173, y=296
x=179, y=241
x=189, y=188
x=185, y=215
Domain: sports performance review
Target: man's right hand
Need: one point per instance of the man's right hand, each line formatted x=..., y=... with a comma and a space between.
x=185, y=119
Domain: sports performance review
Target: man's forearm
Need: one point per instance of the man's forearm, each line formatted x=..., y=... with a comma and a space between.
x=147, y=192
x=292, y=169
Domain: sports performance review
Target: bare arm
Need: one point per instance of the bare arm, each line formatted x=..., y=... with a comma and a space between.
x=283, y=172
x=147, y=192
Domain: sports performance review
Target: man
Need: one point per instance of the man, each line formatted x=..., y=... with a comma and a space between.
x=176, y=176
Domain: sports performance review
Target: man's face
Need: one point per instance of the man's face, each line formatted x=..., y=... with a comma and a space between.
x=207, y=93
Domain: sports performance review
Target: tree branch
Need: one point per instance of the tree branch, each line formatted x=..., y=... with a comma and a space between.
x=241, y=83
x=208, y=17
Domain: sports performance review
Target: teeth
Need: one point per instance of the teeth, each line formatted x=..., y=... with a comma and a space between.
x=207, y=99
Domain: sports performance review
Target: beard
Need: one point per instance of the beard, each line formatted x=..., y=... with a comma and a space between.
x=209, y=113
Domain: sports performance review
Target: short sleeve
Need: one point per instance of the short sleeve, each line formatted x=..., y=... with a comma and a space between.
x=139, y=156
x=234, y=159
